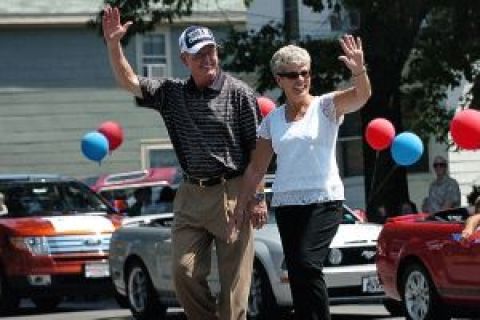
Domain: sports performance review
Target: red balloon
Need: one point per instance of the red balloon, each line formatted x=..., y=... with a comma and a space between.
x=379, y=133
x=465, y=129
x=113, y=132
x=266, y=105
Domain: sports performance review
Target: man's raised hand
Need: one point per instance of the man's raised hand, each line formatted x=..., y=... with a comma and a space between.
x=113, y=30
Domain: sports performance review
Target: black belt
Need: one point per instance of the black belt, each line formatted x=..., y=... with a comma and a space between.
x=208, y=182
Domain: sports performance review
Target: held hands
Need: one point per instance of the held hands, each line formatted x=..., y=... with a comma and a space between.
x=256, y=212
x=353, y=58
x=113, y=30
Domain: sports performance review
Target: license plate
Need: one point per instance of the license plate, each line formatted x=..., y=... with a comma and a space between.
x=97, y=269
x=371, y=284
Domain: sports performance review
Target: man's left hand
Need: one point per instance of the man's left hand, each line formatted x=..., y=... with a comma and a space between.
x=258, y=213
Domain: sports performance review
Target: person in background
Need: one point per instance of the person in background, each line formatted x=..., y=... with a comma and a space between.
x=444, y=192
x=211, y=118
x=473, y=222
x=381, y=214
x=408, y=207
x=143, y=199
x=164, y=202
x=307, y=191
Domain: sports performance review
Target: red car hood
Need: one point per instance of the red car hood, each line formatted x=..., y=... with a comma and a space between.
x=45, y=226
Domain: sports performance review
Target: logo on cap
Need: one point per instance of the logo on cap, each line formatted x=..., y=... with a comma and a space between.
x=194, y=38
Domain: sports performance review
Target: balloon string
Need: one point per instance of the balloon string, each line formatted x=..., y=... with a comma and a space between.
x=374, y=171
x=381, y=185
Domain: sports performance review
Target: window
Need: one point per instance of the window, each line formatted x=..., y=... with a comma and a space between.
x=153, y=55
x=158, y=153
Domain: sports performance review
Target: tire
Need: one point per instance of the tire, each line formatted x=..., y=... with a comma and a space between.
x=121, y=300
x=142, y=298
x=394, y=307
x=419, y=295
x=47, y=304
x=8, y=300
x=261, y=301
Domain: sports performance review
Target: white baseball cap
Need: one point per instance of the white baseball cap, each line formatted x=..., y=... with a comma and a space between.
x=195, y=38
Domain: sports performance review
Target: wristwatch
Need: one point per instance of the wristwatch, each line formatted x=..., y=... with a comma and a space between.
x=259, y=196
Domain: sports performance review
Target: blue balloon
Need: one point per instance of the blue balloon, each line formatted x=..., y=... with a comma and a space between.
x=406, y=149
x=94, y=146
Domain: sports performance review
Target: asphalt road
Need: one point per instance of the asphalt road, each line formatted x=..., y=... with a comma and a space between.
x=107, y=309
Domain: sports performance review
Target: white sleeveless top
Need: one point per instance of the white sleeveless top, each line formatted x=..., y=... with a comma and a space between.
x=307, y=170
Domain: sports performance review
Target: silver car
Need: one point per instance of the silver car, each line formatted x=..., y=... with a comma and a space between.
x=140, y=264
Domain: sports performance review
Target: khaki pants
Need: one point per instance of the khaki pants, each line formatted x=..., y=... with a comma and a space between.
x=201, y=215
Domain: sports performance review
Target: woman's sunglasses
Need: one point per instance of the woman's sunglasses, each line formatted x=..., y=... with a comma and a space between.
x=294, y=74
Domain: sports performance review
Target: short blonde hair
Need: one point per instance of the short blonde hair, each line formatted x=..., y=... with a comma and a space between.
x=290, y=54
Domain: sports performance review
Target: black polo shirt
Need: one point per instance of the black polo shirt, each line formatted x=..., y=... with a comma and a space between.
x=212, y=130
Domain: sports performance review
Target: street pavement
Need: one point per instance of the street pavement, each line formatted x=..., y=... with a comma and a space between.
x=107, y=309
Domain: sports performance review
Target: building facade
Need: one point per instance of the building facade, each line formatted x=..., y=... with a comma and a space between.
x=56, y=84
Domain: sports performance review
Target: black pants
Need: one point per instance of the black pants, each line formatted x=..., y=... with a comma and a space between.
x=306, y=232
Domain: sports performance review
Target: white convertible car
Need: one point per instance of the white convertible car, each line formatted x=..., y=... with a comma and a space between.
x=140, y=265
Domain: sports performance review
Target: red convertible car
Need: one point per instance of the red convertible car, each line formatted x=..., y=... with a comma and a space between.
x=427, y=270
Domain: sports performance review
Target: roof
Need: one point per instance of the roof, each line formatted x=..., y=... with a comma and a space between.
x=147, y=177
x=81, y=11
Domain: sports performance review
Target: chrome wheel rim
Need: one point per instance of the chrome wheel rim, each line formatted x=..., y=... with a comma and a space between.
x=255, y=295
x=137, y=289
x=417, y=295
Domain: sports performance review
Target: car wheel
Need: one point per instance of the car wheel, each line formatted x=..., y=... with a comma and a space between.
x=121, y=300
x=420, y=297
x=261, y=301
x=394, y=307
x=8, y=300
x=47, y=304
x=142, y=298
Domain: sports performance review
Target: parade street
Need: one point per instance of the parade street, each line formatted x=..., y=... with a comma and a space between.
x=109, y=310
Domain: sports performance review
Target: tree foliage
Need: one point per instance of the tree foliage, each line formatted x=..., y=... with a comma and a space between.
x=145, y=14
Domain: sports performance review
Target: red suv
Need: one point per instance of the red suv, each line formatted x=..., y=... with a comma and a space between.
x=54, y=240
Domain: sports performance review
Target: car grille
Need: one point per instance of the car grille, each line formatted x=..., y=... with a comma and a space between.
x=79, y=244
x=355, y=256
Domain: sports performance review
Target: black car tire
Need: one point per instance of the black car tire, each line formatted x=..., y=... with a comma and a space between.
x=47, y=304
x=142, y=298
x=261, y=301
x=8, y=300
x=394, y=307
x=419, y=295
x=121, y=300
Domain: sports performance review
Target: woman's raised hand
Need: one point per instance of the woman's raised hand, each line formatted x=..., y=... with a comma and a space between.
x=353, y=54
x=113, y=30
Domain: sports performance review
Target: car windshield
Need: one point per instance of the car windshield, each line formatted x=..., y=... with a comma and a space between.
x=150, y=199
x=36, y=199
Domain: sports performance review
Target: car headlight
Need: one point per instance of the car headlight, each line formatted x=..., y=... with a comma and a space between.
x=335, y=256
x=35, y=245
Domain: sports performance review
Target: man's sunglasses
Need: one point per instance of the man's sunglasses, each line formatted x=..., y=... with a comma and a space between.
x=294, y=74
x=438, y=165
